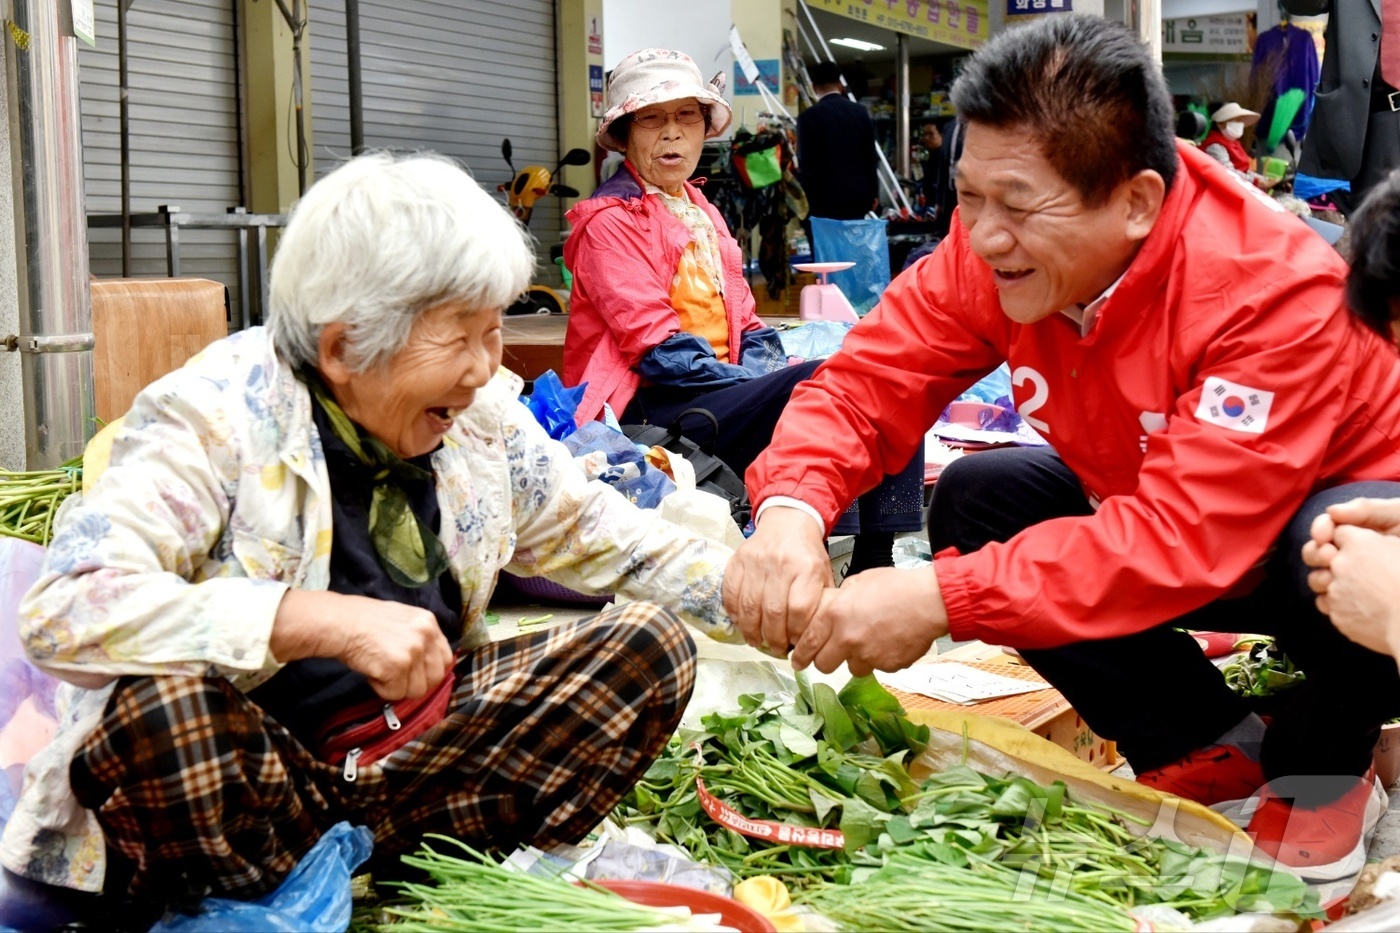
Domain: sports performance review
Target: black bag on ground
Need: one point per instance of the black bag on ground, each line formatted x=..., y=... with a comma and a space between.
x=712, y=474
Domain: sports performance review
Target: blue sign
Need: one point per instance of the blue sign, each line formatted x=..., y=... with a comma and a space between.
x=595, y=79
x=767, y=73
x=1032, y=7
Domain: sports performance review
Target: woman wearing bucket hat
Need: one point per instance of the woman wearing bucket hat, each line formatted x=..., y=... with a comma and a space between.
x=1222, y=143
x=661, y=318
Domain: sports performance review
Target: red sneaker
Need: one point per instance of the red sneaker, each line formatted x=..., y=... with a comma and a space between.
x=1209, y=775
x=1323, y=843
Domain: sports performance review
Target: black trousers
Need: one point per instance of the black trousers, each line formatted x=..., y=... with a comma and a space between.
x=748, y=413
x=1155, y=693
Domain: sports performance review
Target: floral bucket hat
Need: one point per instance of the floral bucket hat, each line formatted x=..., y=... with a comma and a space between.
x=656, y=76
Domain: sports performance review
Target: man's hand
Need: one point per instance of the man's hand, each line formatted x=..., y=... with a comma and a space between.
x=1379, y=515
x=399, y=648
x=1362, y=595
x=774, y=582
x=880, y=620
x=1382, y=515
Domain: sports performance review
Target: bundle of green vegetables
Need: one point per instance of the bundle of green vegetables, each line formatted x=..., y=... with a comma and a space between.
x=833, y=760
x=476, y=894
x=1262, y=670
x=915, y=892
x=29, y=500
x=822, y=760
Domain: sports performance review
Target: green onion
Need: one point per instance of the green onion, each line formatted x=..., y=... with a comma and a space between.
x=29, y=500
x=478, y=894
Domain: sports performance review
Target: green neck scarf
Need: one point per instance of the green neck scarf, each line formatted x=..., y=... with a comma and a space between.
x=407, y=549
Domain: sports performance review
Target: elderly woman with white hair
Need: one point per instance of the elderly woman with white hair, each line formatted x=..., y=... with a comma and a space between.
x=274, y=598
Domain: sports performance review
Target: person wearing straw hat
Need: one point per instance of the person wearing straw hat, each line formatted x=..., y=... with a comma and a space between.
x=661, y=319
x=1222, y=143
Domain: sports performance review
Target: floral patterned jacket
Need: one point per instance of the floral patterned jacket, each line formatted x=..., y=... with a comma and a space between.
x=217, y=500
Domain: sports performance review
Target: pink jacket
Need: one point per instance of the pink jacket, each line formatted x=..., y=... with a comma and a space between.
x=623, y=251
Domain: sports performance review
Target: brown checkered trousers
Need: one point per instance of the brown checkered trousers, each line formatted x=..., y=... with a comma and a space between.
x=204, y=794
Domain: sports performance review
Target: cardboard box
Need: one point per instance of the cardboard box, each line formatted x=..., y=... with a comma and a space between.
x=1045, y=712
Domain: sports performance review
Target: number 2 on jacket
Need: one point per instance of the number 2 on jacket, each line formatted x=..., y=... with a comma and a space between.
x=1041, y=393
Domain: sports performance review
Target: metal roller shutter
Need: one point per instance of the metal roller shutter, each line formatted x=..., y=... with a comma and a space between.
x=183, y=80
x=450, y=77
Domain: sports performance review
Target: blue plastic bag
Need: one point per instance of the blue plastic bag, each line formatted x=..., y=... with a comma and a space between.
x=862, y=242
x=553, y=405
x=315, y=896
x=814, y=340
x=608, y=454
x=991, y=388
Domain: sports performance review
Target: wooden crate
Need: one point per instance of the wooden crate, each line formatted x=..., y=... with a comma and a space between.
x=145, y=328
x=1045, y=712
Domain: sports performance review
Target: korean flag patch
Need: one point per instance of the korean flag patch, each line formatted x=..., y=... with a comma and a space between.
x=1234, y=406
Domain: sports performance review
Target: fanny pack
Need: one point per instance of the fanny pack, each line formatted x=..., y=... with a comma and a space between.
x=368, y=731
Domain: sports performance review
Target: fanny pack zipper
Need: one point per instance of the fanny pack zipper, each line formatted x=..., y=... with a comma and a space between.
x=352, y=759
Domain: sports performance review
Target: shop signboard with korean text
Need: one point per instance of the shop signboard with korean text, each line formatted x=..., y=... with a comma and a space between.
x=595, y=89
x=1033, y=7
x=960, y=23
x=1206, y=35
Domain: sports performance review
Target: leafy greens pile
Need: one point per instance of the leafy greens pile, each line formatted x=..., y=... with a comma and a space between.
x=1262, y=670
x=840, y=761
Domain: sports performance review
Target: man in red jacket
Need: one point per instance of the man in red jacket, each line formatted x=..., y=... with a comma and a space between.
x=1184, y=345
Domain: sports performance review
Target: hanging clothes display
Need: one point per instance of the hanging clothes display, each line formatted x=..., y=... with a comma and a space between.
x=1290, y=54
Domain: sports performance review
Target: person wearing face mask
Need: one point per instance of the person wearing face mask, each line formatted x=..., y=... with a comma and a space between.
x=1222, y=143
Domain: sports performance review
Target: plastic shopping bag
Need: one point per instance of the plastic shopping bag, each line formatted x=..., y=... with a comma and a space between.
x=315, y=896
x=702, y=512
x=814, y=340
x=606, y=454
x=553, y=405
x=862, y=242
x=27, y=714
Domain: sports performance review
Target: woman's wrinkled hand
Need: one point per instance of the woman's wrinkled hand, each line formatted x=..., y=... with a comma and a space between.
x=774, y=582
x=400, y=649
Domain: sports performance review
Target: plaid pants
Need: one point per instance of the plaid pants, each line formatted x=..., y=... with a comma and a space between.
x=204, y=794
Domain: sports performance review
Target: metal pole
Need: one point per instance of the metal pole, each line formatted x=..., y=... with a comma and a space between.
x=124, y=122
x=352, y=67
x=901, y=113
x=297, y=25
x=1146, y=18
x=55, y=306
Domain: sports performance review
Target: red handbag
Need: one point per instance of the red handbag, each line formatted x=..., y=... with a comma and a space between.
x=367, y=732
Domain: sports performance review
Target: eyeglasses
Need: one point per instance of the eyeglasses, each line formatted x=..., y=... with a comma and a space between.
x=656, y=119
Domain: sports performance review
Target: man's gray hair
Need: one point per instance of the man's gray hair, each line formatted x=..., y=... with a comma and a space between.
x=379, y=241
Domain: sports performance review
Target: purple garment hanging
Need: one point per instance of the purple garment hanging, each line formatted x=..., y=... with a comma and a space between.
x=1296, y=51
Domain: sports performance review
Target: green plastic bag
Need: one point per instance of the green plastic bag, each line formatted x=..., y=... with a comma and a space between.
x=763, y=168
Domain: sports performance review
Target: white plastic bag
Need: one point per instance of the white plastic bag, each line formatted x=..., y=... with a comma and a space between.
x=701, y=512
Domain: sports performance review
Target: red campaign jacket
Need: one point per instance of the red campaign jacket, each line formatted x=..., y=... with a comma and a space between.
x=623, y=252
x=1224, y=288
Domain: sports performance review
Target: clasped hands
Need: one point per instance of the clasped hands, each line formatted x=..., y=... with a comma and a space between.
x=778, y=589
x=1355, y=556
